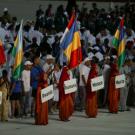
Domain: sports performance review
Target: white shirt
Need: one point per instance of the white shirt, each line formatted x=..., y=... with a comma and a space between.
x=38, y=35
x=99, y=56
x=3, y=34
x=91, y=40
x=46, y=67
x=102, y=38
x=26, y=80
x=57, y=75
x=51, y=40
x=84, y=70
x=11, y=35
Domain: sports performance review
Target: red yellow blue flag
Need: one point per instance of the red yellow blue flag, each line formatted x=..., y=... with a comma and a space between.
x=71, y=44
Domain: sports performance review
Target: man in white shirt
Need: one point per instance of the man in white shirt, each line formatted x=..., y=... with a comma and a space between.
x=84, y=70
x=103, y=34
x=27, y=87
x=36, y=34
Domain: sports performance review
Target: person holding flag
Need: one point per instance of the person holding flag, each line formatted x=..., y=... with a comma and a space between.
x=16, y=88
x=117, y=63
x=66, y=106
x=71, y=46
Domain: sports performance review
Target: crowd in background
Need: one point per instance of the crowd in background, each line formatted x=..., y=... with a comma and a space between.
x=41, y=45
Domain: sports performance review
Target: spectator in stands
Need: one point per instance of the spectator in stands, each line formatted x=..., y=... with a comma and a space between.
x=6, y=16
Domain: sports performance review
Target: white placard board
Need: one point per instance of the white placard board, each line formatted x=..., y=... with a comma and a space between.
x=97, y=83
x=47, y=93
x=0, y=97
x=70, y=86
x=120, y=81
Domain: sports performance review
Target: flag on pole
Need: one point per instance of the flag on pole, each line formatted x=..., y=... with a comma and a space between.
x=2, y=54
x=121, y=48
x=71, y=44
x=115, y=40
x=119, y=43
x=17, y=53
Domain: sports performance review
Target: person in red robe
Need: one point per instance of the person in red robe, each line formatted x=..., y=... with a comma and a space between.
x=41, y=109
x=91, y=97
x=113, y=93
x=2, y=54
x=66, y=105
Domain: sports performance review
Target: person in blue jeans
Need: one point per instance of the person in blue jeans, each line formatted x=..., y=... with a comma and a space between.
x=35, y=76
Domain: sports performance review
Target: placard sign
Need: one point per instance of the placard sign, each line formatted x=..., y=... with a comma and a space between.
x=70, y=86
x=120, y=81
x=47, y=93
x=97, y=83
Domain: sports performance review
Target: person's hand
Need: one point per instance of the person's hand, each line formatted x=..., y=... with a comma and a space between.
x=45, y=76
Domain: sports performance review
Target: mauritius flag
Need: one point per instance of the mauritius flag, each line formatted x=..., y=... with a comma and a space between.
x=2, y=54
x=17, y=54
x=71, y=44
x=119, y=43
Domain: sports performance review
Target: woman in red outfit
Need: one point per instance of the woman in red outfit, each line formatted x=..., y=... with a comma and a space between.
x=91, y=97
x=65, y=100
x=113, y=93
x=41, y=114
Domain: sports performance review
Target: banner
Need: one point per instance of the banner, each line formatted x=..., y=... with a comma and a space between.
x=97, y=83
x=70, y=86
x=47, y=93
x=0, y=97
x=120, y=81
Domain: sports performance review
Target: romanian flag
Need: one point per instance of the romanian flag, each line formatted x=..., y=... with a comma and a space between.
x=119, y=43
x=17, y=53
x=71, y=44
x=2, y=54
